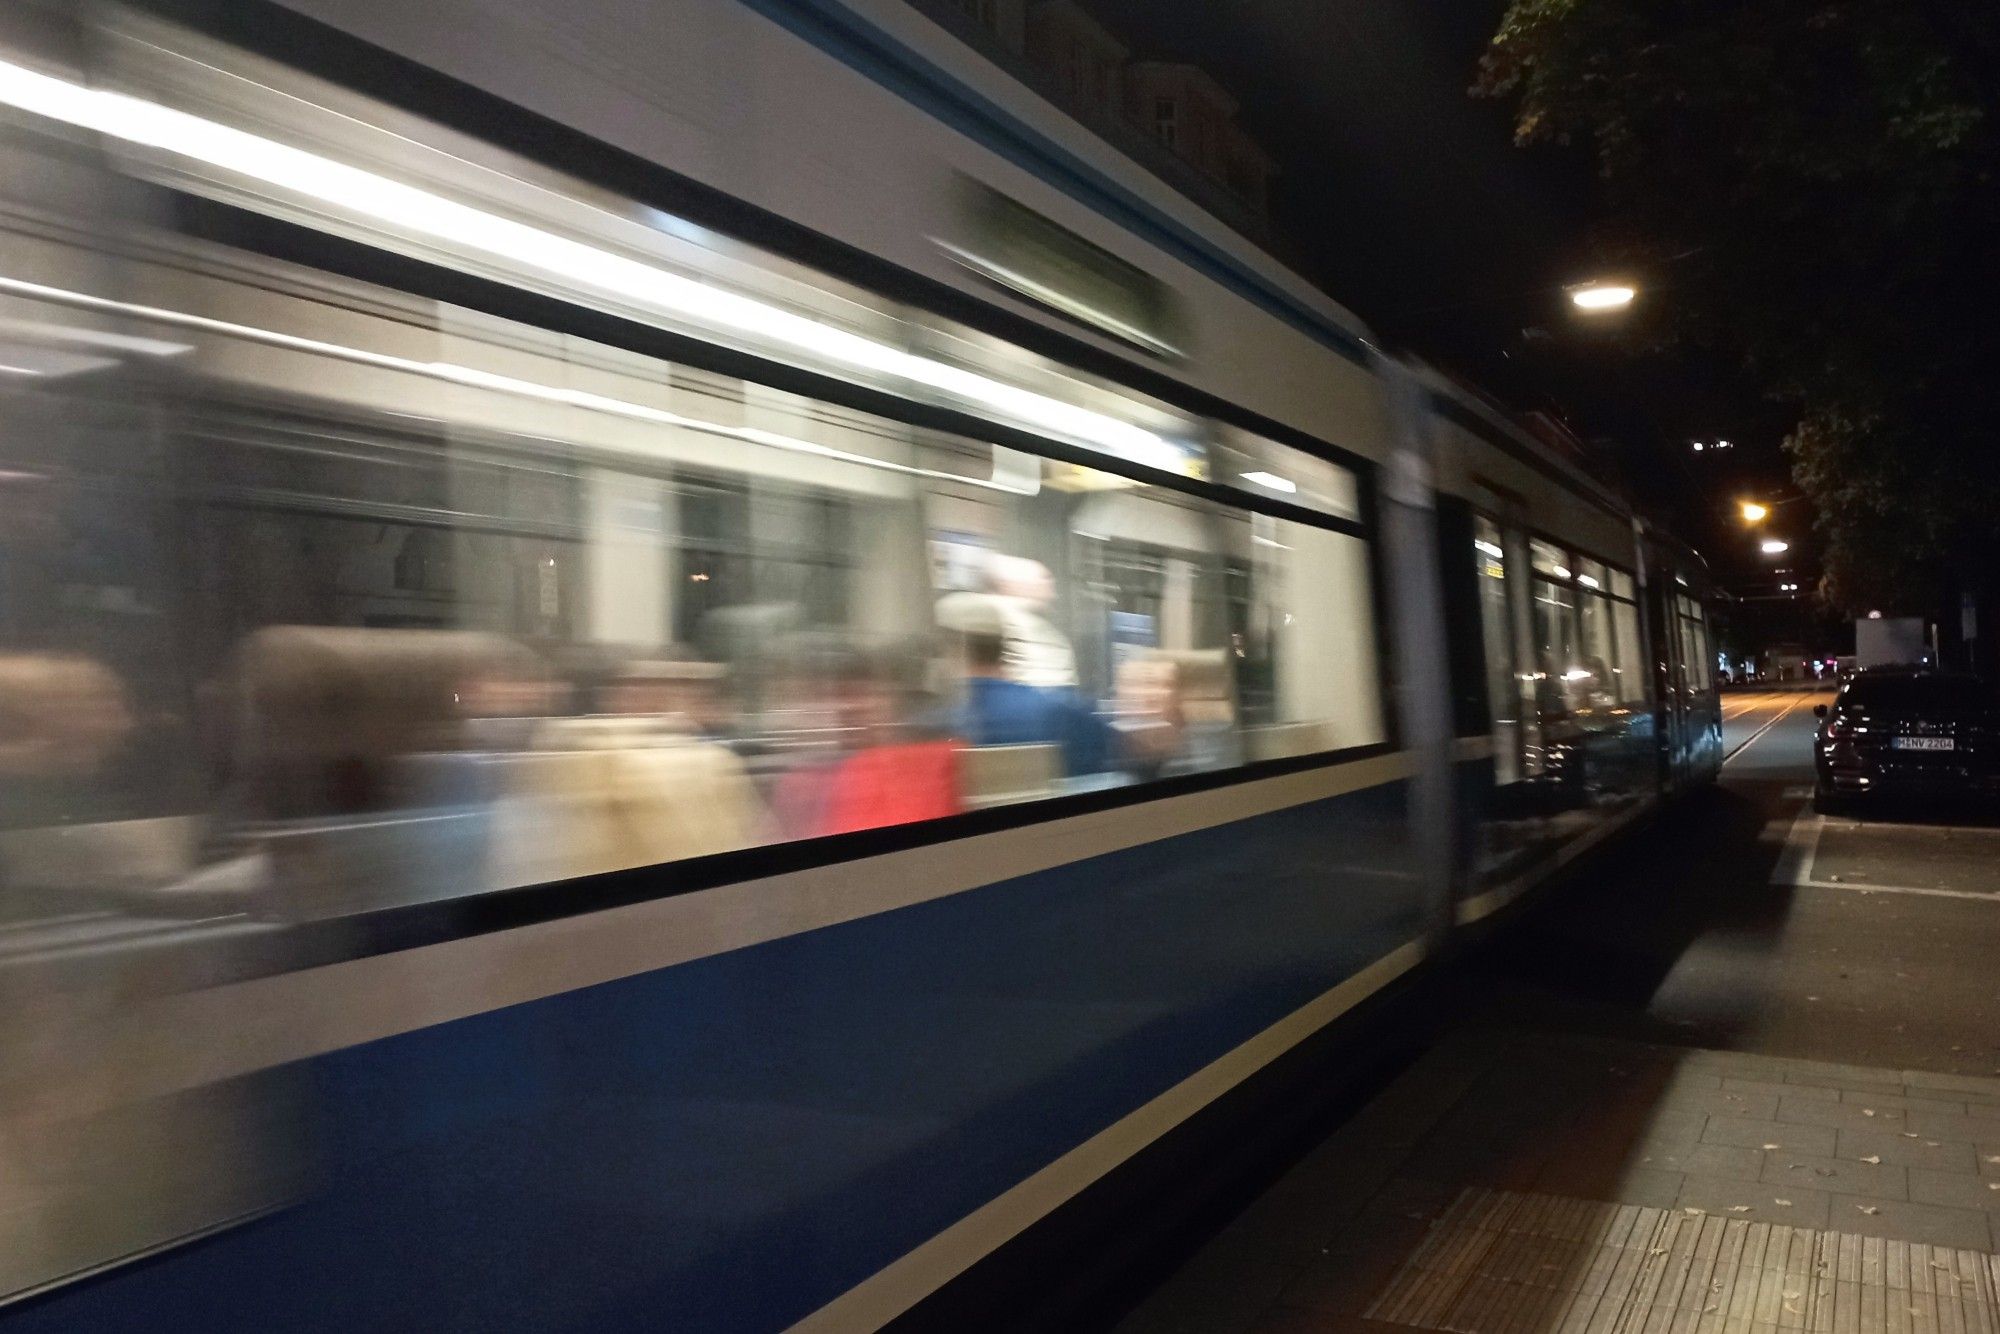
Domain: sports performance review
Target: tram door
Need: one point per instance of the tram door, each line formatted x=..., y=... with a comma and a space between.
x=1511, y=823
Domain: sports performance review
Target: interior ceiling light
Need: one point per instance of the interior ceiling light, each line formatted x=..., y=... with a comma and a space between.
x=414, y=211
x=1272, y=482
x=473, y=377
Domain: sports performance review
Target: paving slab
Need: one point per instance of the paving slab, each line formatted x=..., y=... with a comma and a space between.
x=1907, y=1149
x=1946, y=1125
x=1902, y=1220
x=1955, y=1189
x=1551, y=1186
x=1756, y=1201
x=1842, y=1115
x=1771, y=1136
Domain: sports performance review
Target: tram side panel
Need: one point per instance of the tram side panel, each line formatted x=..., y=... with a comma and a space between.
x=395, y=555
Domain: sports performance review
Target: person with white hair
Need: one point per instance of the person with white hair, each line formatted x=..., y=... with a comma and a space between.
x=1033, y=651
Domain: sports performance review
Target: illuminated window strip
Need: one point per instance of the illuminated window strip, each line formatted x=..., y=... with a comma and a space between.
x=420, y=212
x=474, y=378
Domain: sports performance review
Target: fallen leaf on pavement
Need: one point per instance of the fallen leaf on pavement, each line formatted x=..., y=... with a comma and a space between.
x=1868, y=1209
x=1872, y=1158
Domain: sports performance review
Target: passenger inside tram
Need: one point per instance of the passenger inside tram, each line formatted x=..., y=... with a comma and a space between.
x=1000, y=709
x=320, y=613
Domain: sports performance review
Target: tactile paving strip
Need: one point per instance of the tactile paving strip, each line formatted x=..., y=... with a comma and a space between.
x=1504, y=1262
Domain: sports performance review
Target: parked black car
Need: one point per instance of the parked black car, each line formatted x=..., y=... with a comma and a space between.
x=1929, y=734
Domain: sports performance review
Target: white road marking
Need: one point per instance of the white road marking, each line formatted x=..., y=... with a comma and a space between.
x=1917, y=890
x=1796, y=864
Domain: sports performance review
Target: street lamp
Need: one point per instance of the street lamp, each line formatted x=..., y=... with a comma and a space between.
x=1773, y=547
x=1753, y=512
x=1599, y=297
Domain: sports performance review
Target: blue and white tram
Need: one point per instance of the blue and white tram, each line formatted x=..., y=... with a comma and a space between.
x=692, y=666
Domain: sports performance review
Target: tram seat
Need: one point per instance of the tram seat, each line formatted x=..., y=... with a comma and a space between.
x=1002, y=775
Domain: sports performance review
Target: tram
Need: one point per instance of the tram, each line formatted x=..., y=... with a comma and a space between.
x=695, y=666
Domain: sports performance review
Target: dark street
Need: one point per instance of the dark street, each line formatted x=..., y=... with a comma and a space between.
x=1711, y=1043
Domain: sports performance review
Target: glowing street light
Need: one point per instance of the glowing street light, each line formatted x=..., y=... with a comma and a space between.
x=1598, y=297
x=1754, y=512
x=1773, y=547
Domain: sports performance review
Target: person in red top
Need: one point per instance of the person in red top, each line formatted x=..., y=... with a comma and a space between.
x=892, y=771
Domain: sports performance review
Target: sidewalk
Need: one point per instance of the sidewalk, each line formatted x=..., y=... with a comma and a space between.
x=1515, y=1183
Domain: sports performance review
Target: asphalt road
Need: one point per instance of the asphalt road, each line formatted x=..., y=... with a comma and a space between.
x=1743, y=921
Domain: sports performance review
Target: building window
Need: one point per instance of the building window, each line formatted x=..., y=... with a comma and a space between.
x=1166, y=120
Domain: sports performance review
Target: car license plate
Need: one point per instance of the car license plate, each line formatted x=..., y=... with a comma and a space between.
x=1923, y=743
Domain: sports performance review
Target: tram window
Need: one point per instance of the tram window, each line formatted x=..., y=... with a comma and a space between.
x=1595, y=680
x=1698, y=667
x=562, y=609
x=1555, y=645
x=1260, y=467
x=1633, y=678
x=1609, y=670
x=1489, y=556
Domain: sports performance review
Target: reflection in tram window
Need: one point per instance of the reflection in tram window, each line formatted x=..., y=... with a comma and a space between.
x=1490, y=560
x=357, y=601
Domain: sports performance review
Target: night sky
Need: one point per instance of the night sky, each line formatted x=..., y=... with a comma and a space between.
x=1407, y=200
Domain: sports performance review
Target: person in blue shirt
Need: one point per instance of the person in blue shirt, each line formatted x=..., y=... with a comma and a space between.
x=1000, y=712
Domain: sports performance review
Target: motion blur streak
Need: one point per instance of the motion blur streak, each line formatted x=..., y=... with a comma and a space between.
x=472, y=377
x=421, y=212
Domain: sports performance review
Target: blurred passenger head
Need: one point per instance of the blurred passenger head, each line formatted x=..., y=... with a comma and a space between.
x=671, y=685
x=981, y=627
x=510, y=681
x=61, y=715
x=1150, y=687
x=1019, y=577
x=325, y=711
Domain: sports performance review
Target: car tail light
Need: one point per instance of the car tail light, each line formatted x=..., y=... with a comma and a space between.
x=1838, y=728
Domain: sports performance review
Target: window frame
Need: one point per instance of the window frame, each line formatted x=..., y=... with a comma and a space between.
x=1573, y=558
x=324, y=253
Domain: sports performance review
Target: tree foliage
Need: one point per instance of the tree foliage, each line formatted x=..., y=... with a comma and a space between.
x=1812, y=183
